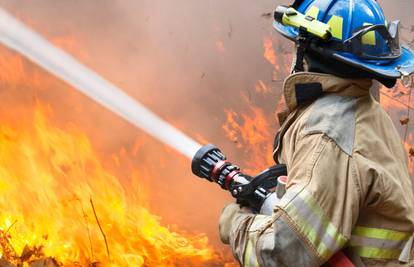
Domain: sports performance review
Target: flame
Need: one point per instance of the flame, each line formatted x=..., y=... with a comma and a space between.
x=252, y=132
x=220, y=46
x=13, y=68
x=397, y=103
x=61, y=205
x=269, y=52
x=261, y=87
x=51, y=182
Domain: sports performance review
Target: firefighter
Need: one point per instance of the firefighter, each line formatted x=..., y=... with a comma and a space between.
x=348, y=191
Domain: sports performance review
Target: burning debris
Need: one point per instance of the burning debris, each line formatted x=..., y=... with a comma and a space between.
x=404, y=121
x=30, y=256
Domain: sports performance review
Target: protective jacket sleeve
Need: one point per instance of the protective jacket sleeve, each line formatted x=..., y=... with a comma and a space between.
x=315, y=218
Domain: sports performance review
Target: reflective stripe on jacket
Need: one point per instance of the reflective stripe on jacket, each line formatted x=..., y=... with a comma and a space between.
x=348, y=186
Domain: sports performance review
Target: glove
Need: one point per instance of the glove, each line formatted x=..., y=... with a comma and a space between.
x=227, y=219
x=227, y=216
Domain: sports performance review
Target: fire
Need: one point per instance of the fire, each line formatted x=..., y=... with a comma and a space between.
x=252, y=132
x=220, y=46
x=11, y=75
x=261, y=87
x=397, y=102
x=269, y=53
x=62, y=205
x=56, y=195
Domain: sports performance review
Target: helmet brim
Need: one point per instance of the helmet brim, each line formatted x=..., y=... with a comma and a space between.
x=404, y=65
x=387, y=69
x=287, y=31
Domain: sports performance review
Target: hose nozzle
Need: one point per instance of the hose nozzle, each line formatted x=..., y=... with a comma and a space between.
x=210, y=163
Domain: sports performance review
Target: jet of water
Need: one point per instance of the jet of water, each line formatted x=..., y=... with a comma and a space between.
x=20, y=38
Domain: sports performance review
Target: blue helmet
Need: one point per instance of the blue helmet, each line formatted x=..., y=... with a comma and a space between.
x=359, y=36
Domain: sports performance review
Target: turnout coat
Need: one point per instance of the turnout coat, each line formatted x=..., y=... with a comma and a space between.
x=348, y=185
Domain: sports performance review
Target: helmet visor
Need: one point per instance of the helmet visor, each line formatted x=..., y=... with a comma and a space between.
x=376, y=42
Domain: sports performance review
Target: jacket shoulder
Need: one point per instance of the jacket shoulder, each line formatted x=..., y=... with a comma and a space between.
x=334, y=116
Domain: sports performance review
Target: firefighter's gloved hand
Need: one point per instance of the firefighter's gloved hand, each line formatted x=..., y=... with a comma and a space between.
x=227, y=218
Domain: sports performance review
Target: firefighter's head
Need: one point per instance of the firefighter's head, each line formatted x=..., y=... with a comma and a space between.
x=359, y=43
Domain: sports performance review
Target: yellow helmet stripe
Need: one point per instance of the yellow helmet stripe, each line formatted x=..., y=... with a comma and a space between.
x=313, y=12
x=336, y=24
x=369, y=37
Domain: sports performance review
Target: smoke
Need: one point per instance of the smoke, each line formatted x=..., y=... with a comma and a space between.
x=186, y=60
x=19, y=38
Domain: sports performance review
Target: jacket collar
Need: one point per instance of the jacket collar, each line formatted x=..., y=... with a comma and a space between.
x=303, y=87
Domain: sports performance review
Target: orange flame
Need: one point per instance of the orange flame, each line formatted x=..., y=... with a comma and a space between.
x=51, y=175
x=61, y=201
x=62, y=206
x=261, y=87
x=397, y=103
x=220, y=46
x=269, y=52
x=252, y=132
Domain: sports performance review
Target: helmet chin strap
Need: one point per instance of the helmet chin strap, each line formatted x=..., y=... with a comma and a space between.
x=302, y=44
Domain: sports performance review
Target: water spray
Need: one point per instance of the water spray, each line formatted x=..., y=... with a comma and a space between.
x=20, y=38
x=207, y=161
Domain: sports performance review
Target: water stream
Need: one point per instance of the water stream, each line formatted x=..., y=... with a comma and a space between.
x=25, y=41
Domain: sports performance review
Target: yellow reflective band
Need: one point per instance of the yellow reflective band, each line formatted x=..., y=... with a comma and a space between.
x=310, y=234
x=313, y=12
x=314, y=224
x=377, y=243
x=377, y=253
x=381, y=233
x=330, y=229
x=336, y=24
x=369, y=37
x=248, y=256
